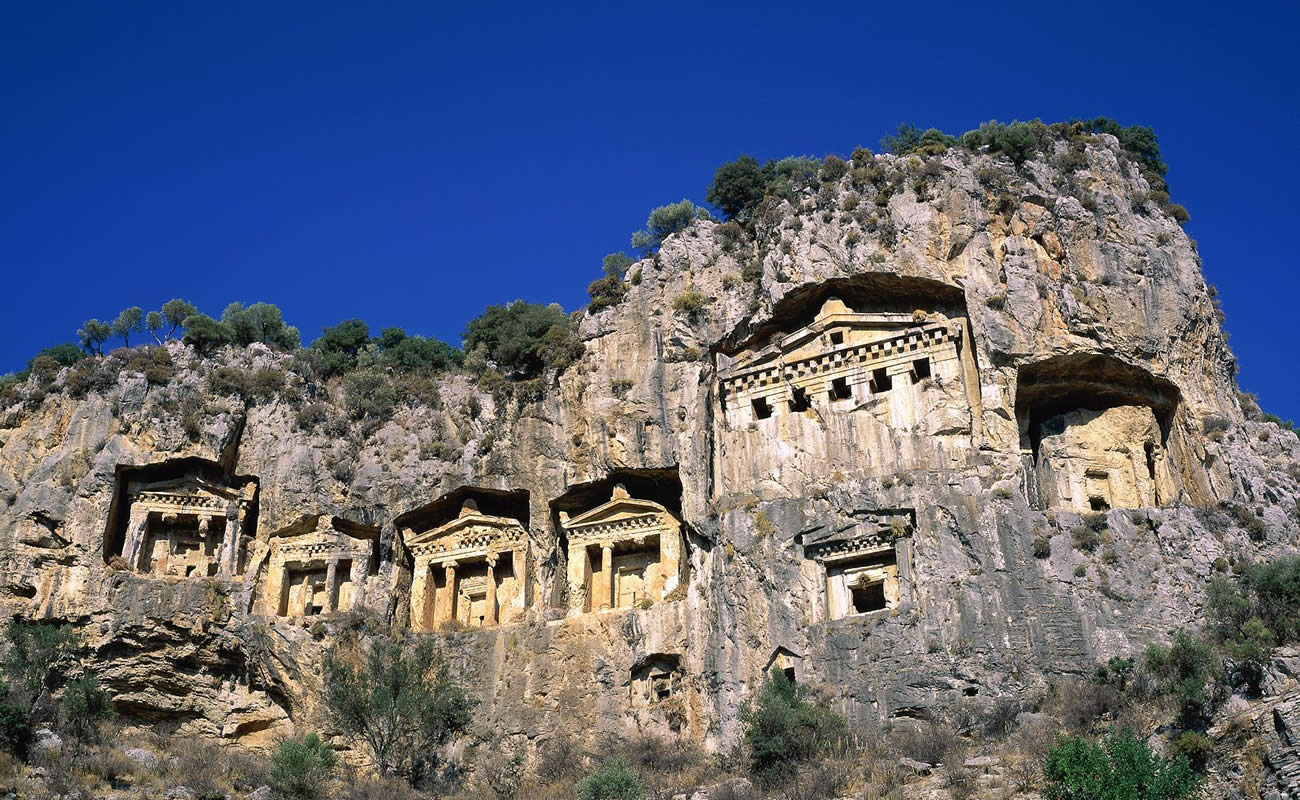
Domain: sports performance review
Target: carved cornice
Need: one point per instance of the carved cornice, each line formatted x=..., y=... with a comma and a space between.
x=477, y=541
x=880, y=534
x=294, y=551
x=636, y=528
x=774, y=376
x=179, y=503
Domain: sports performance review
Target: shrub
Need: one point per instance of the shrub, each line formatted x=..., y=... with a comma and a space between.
x=397, y=701
x=1081, y=704
x=83, y=706
x=1120, y=767
x=1184, y=669
x=783, y=729
x=521, y=338
x=340, y=346
x=231, y=381
x=557, y=759
x=737, y=187
x=35, y=660
x=663, y=222
x=1179, y=213
x=1084, y=538
x=415, y=354
x=300, y=767
x=929, y=743
x=15, y=726
x=205, y=334
x=834, y=168
x=1195, y=747
x=1016, y=140
x=368, y=395
x=690, y=302
x=1042, y=547
x=614, y=780
x=1276, y=590
x=260, y=322
x=312, y=415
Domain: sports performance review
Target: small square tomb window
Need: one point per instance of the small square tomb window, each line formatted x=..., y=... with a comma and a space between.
x=880, y=381
x=840, y=389
x=868, y=597
x=799, y=400
x=920, y=369
x=761, y=409
x=837, y=337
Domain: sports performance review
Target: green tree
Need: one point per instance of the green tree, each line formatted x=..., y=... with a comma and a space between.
x=129, y=321
x=205, y=334
x=787, y=176
x=36, y=659
x=1275, y=587
x=785, y=729
x=1016, y=140
x=300, y=767
x=904, y=140
x=610, y=290
x=64, y=355
x=416, y=354
x=83, y=706
x=397, y=700
x=260, y=322
x=15, y=725
x=93, y=333
x=1121, y=767
x=613, y=780
x=663, y=222
x=1188, y=669
x=340, y=346
x=153, y=322
x=175, y=312
x=515, y=336
x=737, y=187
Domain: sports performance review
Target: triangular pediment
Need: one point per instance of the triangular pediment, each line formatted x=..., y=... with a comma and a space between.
x=192, y=487
x=467, y=522
x=616, y=509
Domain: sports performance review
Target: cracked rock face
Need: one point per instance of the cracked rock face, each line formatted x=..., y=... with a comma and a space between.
x=1081, y=362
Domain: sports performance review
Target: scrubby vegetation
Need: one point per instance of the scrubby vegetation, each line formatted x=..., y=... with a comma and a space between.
x=396, y=700
x=1120, y=767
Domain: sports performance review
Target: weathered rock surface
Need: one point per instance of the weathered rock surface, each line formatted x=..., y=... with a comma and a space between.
x=1071, y=307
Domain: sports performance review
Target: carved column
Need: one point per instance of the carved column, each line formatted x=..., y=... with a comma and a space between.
x=447, y=610
x=229, y=559
x=331, y=586
x=606, y=575
x=134, y=542
x=490, y=613
x=429, y=598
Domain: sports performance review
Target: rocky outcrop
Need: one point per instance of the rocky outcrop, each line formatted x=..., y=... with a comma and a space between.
x=984, y=312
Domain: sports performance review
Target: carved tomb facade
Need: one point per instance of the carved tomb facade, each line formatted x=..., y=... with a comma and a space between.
x=622, y=554
x=188, y=527
x=472, y=571
x=318, y=566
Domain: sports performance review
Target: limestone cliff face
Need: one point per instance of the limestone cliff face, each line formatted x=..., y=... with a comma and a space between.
x=1023, y=347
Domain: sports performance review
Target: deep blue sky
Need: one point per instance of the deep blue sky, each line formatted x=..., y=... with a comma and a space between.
x=411, y=163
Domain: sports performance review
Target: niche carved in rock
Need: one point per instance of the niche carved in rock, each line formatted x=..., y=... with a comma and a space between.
x=182, y=519
x=470, y=571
